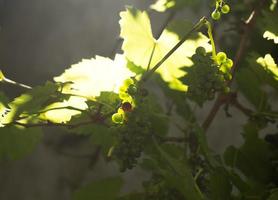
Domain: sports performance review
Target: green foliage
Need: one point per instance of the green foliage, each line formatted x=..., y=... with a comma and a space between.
x=139, y=43
x=204, y=78
x=95, y=190
x=152, y=124
x=17, y=142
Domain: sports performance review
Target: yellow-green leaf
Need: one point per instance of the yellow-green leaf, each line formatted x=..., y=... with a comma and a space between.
x=90, y=77
x=139, y=42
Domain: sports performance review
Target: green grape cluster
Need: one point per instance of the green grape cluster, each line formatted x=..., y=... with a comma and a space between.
x=206, y=76
x=157, y=189
x=225, y=64
x=126, y=94
x=131, y=140
x=220, y=8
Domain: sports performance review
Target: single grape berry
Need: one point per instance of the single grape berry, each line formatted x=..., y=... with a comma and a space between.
x=118, y=118
x=221, y=57
x=132, y=89
x=229, y=63
x=123, y=95
x=126, y=106
x=201, y=51
x=128, y=82
x=225, y=9
x=216, y=15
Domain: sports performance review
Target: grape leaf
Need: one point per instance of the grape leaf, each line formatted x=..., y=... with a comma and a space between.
x=253, y=159
x=31, y=102
x=105, y=189
x=16, y=142
x=247, y=79
x=269, y=65
x=92, y=76
x=258, y=71
x=61, y=112
x=268, y=27
x=271, y=36
x=219, y=185
x=174, y=169
x=139, y=42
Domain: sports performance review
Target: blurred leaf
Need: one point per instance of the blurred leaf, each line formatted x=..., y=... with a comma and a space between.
x=17, y=142
x=274, y=195
x=176, y=171
x=259, y=71
x=219, y=185
x=253, y=159
x=106, y=189
x=268, y=24
x=246, y=79
x=31, y=102
x=163, y=5
x=139, y=42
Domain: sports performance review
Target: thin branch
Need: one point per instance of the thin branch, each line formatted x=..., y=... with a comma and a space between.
x=11, y=82
x=151, y=57
x=197, y=26
x=49, y=124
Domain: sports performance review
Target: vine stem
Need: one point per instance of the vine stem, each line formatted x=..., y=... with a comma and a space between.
x=196, y=27
x=11, y=82
x=221, y=99
x=208, y=24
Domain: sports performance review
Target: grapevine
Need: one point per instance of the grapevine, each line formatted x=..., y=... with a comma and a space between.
x=146, y=108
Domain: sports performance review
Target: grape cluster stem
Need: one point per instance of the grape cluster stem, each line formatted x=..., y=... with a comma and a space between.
x=248, y=27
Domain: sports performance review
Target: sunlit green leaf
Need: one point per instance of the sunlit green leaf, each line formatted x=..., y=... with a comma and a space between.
x=269, y=65
x=271, y=36
x=59, y=113
x=31, y=102
x=139, y=42
x=92, y=76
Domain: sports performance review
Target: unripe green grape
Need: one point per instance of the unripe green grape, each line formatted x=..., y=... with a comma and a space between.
x=118, y=118
x=221, y=57
x=123, y=88
x=225, y=9
x=128, y=82
x=229, y=63
x=132, y=89
x=201, y=51
x=123, y=95
x=216, y=15
x=120, y=111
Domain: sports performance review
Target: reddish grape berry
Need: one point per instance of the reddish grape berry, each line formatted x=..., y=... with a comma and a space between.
x=126, y=106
